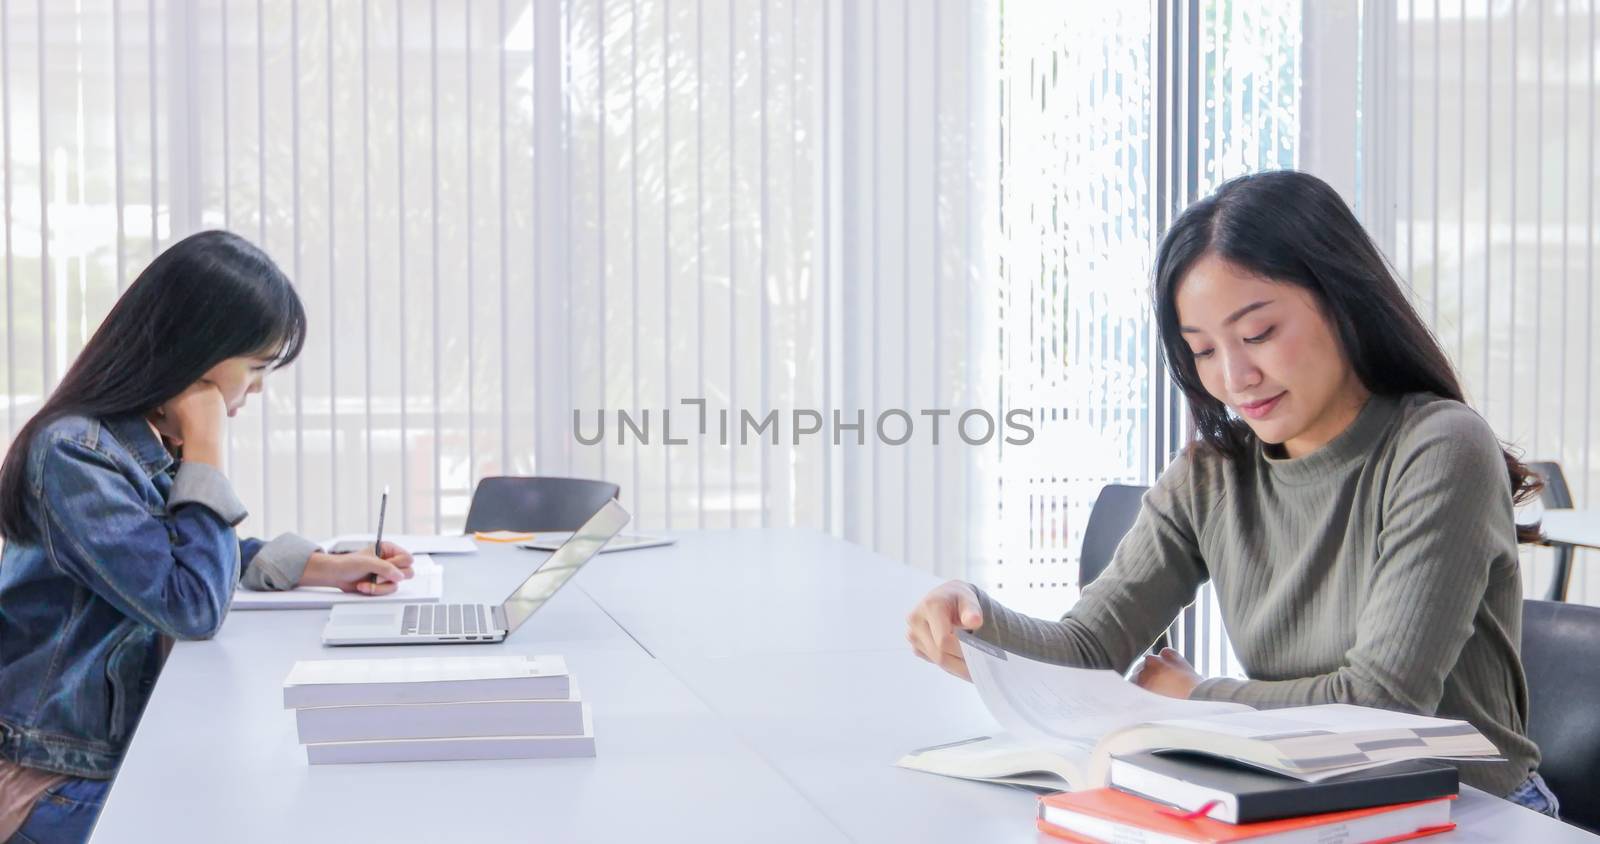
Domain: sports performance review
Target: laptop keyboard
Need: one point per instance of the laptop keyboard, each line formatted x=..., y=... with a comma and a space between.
x=447, y=619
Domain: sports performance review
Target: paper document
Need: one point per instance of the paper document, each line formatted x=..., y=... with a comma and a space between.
x=425, y=586
x=416, y=543
x=1053, y=704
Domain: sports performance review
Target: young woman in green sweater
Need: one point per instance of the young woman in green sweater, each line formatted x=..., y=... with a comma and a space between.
x=1353, y=514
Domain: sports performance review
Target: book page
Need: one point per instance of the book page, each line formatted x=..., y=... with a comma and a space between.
x=1003, y=758
x=1332, y=718
x=1312, y=743
x=1053, y=704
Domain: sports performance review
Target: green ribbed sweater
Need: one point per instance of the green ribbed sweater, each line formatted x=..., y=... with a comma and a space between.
x=1379, y=570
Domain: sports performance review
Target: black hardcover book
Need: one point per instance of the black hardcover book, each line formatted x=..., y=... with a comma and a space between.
x=1246, y=795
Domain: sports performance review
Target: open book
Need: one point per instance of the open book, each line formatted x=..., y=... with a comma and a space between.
x=1063, y=725
x=416, y=543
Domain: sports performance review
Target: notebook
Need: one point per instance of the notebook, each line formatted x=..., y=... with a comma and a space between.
x=1236, y=793
x=426, y=679
x=443, y=749
x=425, y=586
x=1104, y=815
x=465, y=719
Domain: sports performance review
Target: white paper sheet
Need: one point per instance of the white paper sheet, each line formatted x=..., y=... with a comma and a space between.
x=1328, y=717
x=427, y=586
x=1052, y=704
x=416, y=543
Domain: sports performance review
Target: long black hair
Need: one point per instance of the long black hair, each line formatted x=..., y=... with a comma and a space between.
x=207, y=298
x=1291, y=227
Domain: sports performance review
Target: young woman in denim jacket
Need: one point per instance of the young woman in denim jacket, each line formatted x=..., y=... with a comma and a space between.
x=119, y=523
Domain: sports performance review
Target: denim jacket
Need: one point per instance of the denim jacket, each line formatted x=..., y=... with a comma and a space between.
x=133, y=547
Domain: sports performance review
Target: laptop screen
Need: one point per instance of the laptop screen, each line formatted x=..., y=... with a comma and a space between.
x=563, y=563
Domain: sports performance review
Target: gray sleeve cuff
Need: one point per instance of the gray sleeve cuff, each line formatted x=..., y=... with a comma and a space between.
x=1217, y=688
x=198, y=483
x=279, y=564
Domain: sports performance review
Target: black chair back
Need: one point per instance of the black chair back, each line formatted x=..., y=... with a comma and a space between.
x=1561, y=655
x=1110, y=519
x=536, y=504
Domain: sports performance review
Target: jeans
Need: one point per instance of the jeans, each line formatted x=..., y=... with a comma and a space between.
x=1535, y=795
x=64, y=814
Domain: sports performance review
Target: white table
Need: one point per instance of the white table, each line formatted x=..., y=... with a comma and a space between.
x=746, y=685
x=216, y=757
x=1574, y=527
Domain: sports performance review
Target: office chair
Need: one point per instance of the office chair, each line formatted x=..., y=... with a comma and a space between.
x=1561, y=655
x=536, y=504
x=1110, y=519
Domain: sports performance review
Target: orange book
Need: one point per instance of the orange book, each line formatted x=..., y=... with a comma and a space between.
x=1103, y=814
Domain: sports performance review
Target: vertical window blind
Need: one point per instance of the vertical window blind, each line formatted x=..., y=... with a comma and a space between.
x=511, y=220
x=1477, y=175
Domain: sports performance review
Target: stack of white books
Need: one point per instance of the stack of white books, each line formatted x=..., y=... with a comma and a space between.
x=437, y=708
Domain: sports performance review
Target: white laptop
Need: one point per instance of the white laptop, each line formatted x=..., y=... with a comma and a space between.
x=447, y=624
